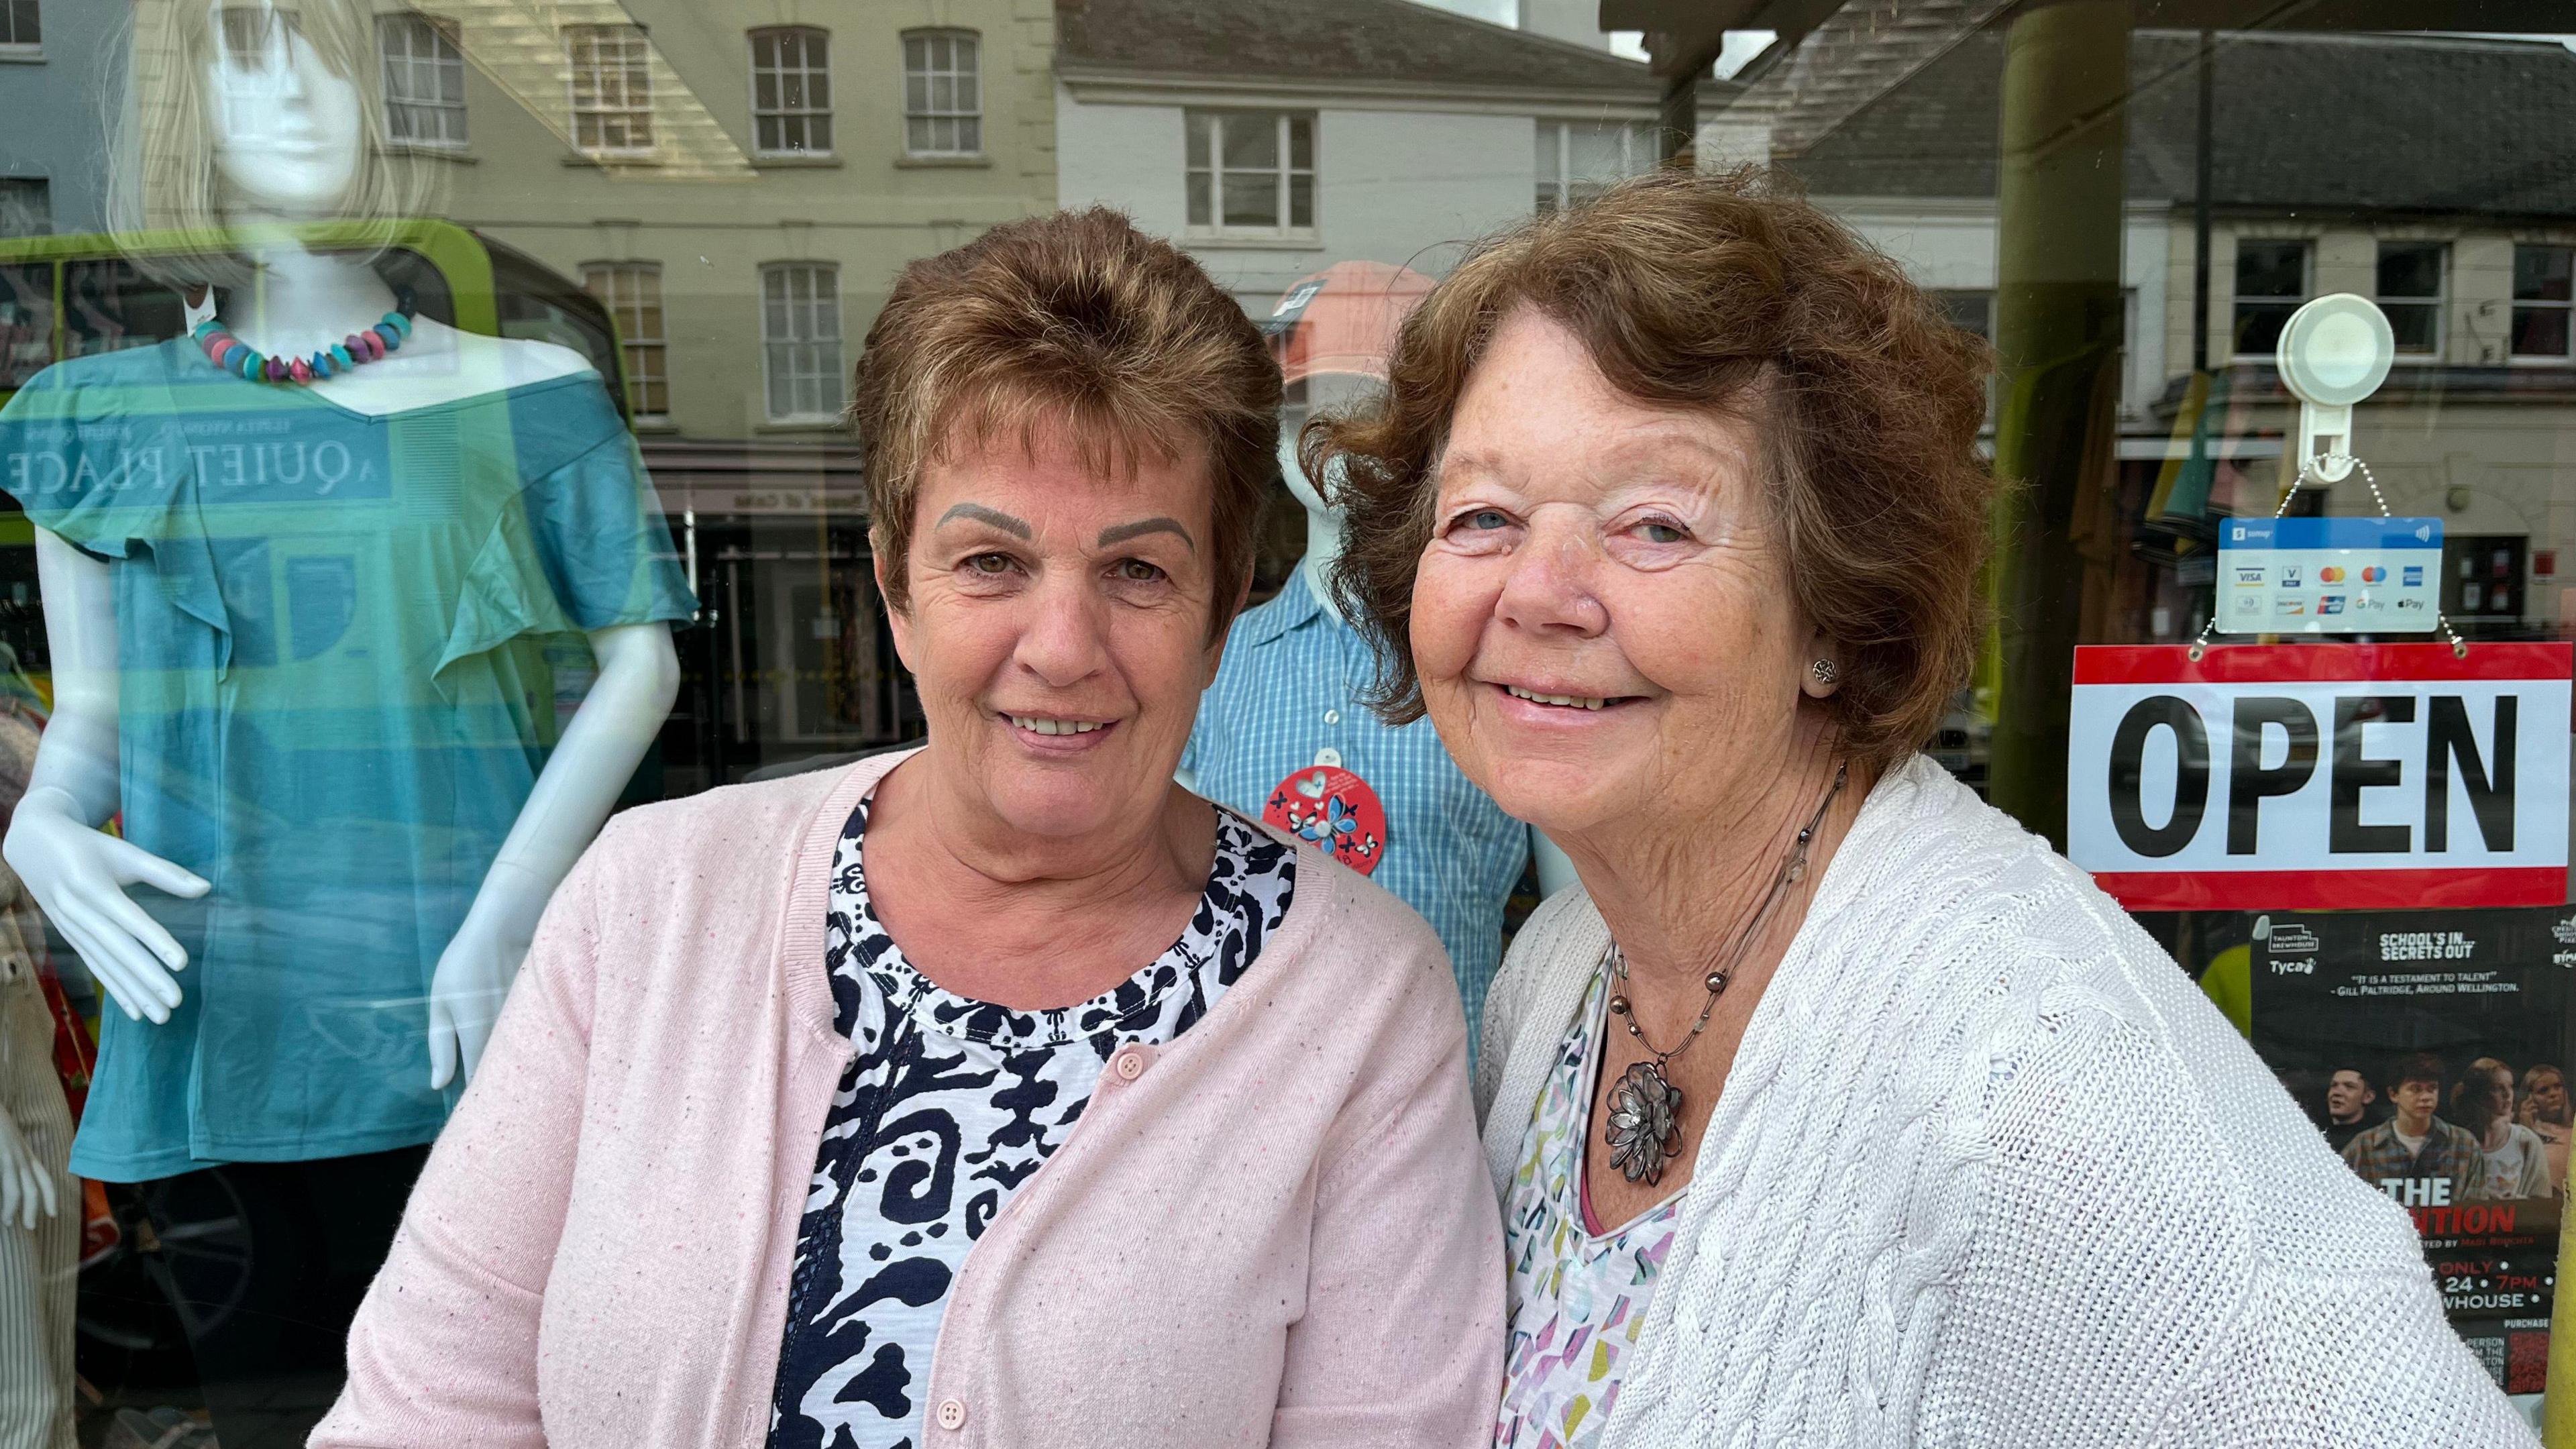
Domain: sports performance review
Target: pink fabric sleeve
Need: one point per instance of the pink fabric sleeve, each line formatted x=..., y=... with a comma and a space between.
x=444, y=1349
x=1402, y=1340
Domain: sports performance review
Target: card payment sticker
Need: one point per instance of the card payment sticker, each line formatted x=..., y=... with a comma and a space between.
x=2329, y=575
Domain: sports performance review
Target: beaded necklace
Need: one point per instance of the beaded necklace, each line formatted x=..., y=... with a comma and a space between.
x=370, y=344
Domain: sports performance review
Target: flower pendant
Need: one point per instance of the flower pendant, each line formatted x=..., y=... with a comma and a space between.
x=1645, y=1123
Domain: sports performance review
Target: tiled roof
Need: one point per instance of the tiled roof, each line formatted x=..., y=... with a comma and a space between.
x=2331, y=122
x=1362, y=40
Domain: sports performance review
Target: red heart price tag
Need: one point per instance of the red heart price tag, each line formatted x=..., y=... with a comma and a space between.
x=1333, y=810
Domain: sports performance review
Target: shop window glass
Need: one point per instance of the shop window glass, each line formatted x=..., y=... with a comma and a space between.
x=424, y=77
x=659, y=188
x=2271, y=281
x=800, y=332
x=26, y=322
x=1969, y=311
x=26, y=206
x=109, y=306
x=632, y=292
x=1576, y=160
x=2541, y=298
x=2486, y=578
x=1251, y=172
x=791, y=92
x=943, y=95
x=2410, y=292
x=612, y=88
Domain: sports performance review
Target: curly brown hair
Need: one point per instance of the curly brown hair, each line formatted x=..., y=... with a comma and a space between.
x=1730, y=293
x=1076, y=319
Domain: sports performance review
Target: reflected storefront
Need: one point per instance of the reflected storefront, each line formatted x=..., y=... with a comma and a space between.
x=683, y=216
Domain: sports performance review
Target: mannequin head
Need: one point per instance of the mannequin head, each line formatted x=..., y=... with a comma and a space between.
x=286, y=130
x=257, y=114
x=1296, y=476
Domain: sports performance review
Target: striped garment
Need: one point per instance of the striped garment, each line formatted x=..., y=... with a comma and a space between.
x=1287, y=690
x=37, y=1269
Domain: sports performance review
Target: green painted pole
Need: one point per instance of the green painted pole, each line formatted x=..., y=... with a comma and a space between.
x=2058, y=320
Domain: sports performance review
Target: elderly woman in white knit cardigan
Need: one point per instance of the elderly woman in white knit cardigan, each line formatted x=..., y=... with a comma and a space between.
x=1833, y=1108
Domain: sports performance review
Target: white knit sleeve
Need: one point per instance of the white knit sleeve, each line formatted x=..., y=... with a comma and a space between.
x=2168, y=1253
x=2342, y=1362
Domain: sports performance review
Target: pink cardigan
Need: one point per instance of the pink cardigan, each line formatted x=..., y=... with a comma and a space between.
x=1281, y=1231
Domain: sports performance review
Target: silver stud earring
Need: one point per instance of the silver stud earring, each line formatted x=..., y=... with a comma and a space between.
x=1824, y=671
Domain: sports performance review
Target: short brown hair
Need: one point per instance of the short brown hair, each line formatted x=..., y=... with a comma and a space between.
x=1724, y=292
x=1079, y=319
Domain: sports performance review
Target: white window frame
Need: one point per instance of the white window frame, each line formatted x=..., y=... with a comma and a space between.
x=2237, y=300
x=2439, y=301
x=622, y=288
x=633, y=63
x=12, y=48
x=813, y=67
x=962, y=119
x=442, y=66
x=2565, y=309
x=1636, y=140
x=806, y=360
x=1285, y=173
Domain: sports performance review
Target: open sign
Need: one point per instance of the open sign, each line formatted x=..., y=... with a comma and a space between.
x=2313, y=776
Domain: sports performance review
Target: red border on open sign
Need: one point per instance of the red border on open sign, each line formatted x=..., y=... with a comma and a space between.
x=2334, y=890
x=2319, y=663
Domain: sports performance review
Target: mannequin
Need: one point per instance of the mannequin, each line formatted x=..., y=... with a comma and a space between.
x=1282, y=734
x=1315, y=569
x=299, y=649
x=281, y=106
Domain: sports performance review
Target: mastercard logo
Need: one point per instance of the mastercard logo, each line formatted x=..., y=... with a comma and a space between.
x=2329, y=575
x=2373, y=574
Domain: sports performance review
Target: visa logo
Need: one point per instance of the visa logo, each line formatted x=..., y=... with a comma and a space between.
x=2249, y=576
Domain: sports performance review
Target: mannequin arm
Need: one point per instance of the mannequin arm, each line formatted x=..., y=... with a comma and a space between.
x=639, y=677
x=76, y=873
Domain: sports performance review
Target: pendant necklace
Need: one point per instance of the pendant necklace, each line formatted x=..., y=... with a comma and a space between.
x=1645, y=1127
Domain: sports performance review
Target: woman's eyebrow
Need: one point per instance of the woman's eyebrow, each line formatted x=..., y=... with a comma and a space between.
x=1121, y=532
x=1017, y=528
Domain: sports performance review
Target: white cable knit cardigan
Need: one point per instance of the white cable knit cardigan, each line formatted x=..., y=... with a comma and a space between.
x=1990, y=1172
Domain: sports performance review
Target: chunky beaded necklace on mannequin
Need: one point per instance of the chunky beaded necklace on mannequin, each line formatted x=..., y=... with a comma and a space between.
x=1645, y=1126
x=239, y=358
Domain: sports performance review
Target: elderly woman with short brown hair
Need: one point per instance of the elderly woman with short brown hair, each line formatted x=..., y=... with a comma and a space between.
x=1155, y=1128
x=1831, y=1108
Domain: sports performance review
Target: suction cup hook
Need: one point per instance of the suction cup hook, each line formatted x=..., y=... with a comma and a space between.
x=2334, y=352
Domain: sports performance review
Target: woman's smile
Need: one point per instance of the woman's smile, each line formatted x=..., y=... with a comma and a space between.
x=1556, y=706
x=1056, y=735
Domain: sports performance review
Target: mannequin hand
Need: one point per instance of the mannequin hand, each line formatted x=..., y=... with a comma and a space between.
x=473, y=978
x=26, y=1185
x=77, y=876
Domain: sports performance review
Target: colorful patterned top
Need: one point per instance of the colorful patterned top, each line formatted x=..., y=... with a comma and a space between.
x=1578, y=1298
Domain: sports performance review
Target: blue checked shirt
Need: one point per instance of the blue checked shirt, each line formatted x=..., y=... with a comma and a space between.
x=1288, y=688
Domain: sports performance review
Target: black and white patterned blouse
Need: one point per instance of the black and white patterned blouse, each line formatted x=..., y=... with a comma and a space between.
x=952, y=1105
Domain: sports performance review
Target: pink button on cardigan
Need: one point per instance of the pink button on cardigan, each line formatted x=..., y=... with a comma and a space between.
x=1280, y=1230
